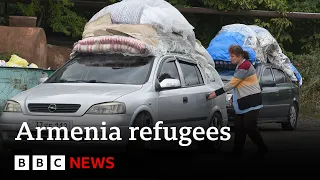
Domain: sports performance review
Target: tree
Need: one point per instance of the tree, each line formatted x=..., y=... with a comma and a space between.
x=308, y=39
x=57, y=14
x=61, y=16
x=277, y=26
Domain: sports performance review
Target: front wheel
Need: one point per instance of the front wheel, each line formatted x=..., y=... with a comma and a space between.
x=3, y=147
x=143, y=119
x=208, y=145
x=291, y=124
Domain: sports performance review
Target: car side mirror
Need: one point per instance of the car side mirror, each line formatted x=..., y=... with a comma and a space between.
x=43, y=79
x=268, y=84
x=168, y=84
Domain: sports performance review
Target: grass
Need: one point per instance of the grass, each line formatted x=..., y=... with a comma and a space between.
x=309, y=67
x=305, y=111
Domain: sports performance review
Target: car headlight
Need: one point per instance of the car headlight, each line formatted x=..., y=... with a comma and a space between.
x=12, y=106
x=108, y=108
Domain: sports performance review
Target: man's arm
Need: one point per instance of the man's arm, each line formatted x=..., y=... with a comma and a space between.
x=238, y=77
x=244, y=70
x=227, y=87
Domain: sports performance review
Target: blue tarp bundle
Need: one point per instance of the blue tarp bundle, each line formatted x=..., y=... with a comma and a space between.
x=296, y=72
x=257, y=41
x=218, y=48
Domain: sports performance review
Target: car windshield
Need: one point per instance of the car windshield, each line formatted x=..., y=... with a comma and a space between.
x=104, y=68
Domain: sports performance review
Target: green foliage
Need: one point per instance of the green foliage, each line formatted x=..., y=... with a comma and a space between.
x=306, y=32
x=31, y=9
x=63, y=19
x=309, y=67
x=3, y=21
x=277, y=27
x=279, y=5
x=7, y=55
x=4, y=56
x=58, y=14
x=207, y=26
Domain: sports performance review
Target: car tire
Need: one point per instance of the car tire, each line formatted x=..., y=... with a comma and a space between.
x=212, y=146
x=143, y=119
x=3, y=148
x=291, y=124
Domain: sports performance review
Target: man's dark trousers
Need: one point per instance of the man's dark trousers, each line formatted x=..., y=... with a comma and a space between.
x=246, y=124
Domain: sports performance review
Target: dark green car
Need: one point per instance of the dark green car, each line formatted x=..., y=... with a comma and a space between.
x=280, y=96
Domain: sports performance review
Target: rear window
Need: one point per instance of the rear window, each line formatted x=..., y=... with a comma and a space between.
x=191, y=74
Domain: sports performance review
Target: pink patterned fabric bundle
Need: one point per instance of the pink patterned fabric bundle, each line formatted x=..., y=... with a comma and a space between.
x=107, y=44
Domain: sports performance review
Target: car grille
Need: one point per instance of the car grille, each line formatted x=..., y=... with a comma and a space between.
x=59, y=108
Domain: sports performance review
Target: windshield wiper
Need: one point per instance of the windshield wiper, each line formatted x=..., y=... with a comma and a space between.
x=64, y=81
x=78, y=81
x=93, y=81
x=117, y=67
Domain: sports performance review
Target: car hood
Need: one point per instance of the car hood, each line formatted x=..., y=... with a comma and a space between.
x=72, y=93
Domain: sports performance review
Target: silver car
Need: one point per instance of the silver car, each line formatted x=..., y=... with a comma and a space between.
x=121, y=91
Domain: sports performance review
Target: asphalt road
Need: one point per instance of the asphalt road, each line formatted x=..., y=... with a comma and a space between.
x=292, y=153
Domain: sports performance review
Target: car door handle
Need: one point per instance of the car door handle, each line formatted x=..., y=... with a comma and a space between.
x=277, y=93
x=185, y=99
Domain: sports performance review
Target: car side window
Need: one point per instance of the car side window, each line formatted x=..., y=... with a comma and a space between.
x=169, y=71
x=288, y=80
x=279, y=75
x=267, y=75
x=191, y=74
x=199, y=75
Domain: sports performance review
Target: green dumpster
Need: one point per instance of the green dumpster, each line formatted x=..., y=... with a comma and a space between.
x=14, y=80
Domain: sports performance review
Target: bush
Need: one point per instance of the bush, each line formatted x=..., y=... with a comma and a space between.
x=6, y=56
x=309, y=68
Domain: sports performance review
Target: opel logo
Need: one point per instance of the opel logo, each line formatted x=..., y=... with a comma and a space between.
x=52, y=108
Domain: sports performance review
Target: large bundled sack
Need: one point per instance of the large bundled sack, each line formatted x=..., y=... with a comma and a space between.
x=204, y=59
x=100, y=23
x=200, y=51
x=118, y=38
x=111, y=44
x=233, y=34
x=143, y=28
x=158, y=13
x=257, y=41
x=156, y=23
x=271, y=52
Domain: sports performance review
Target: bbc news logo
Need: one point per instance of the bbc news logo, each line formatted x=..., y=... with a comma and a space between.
x=39, y=162
x=58, y=162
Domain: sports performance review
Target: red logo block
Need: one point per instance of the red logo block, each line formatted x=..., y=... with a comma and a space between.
x=91, y=162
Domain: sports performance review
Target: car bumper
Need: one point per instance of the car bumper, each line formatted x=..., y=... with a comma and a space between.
x=10, y=124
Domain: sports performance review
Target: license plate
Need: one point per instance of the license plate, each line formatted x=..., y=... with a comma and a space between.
x=37, y=123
